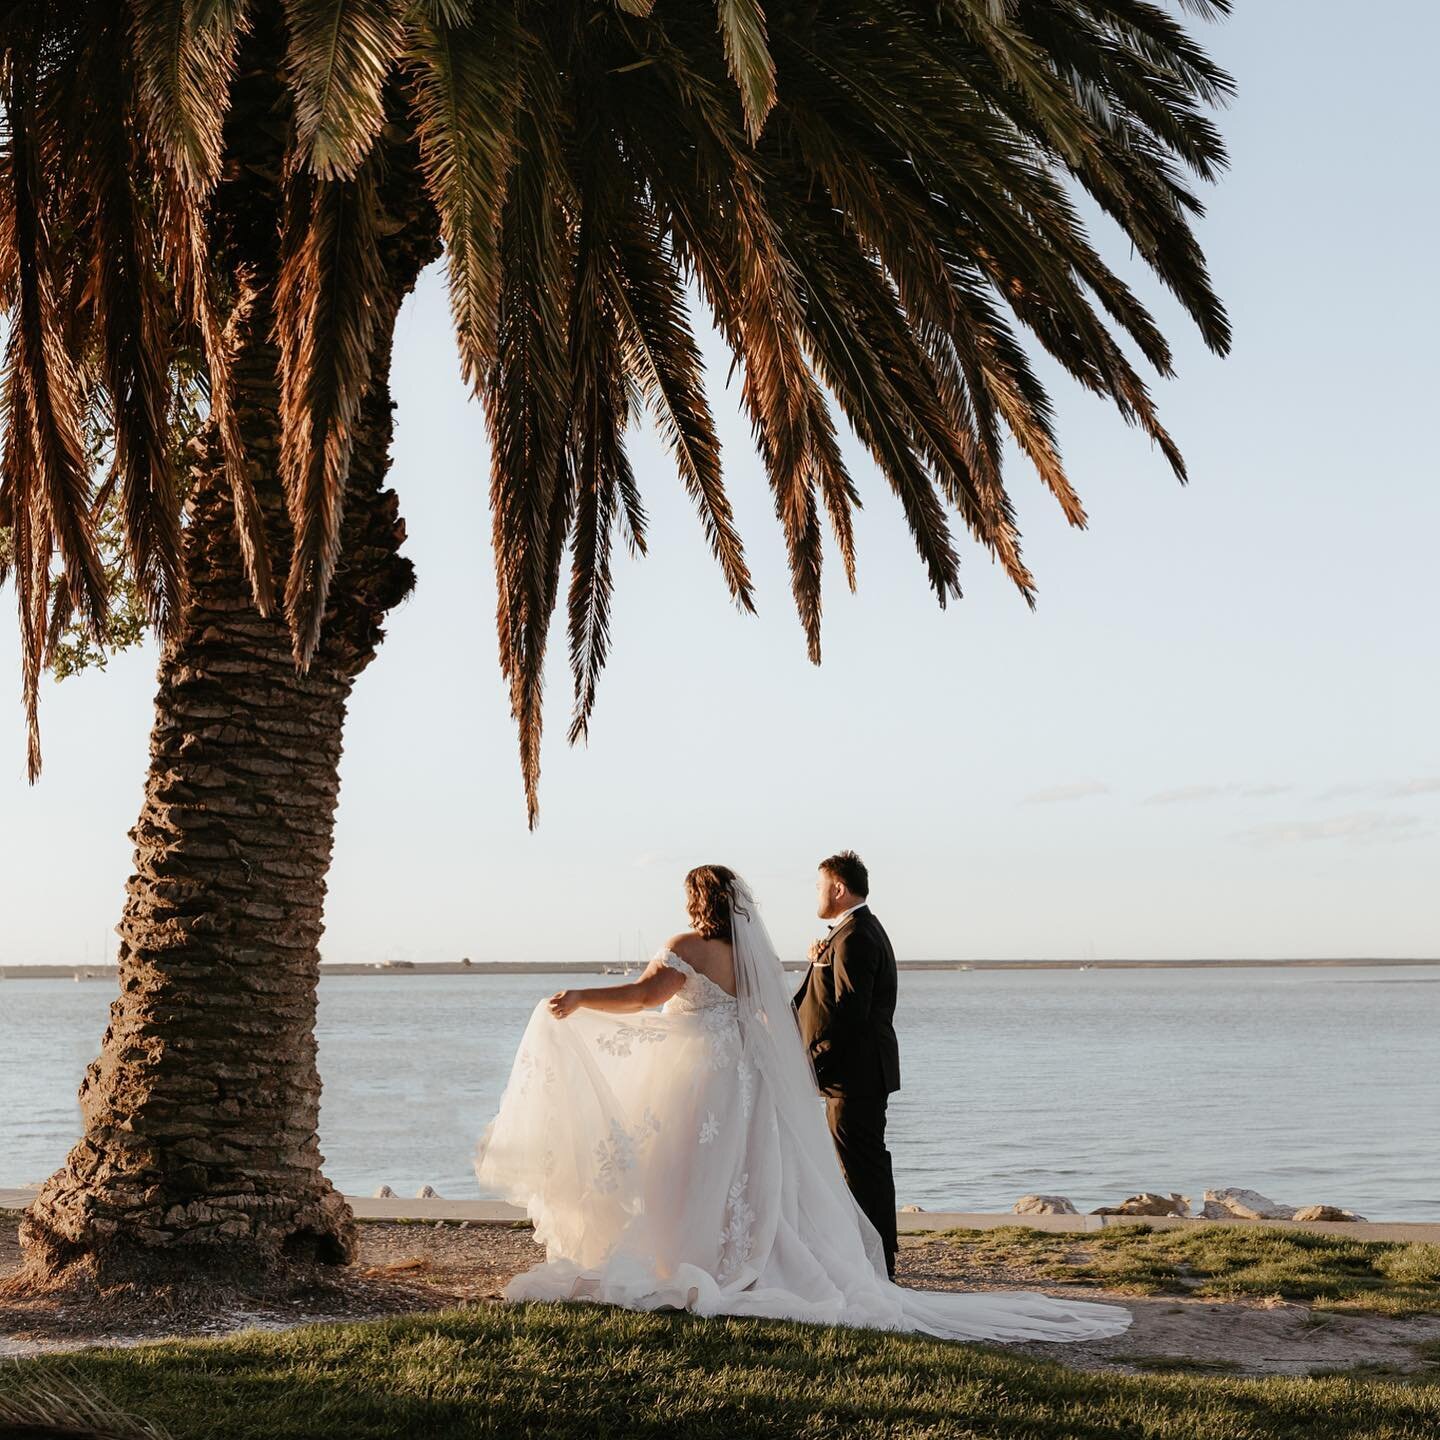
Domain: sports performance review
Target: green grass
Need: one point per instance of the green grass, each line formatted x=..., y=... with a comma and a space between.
x=1228, y=1262
x=584, y=1373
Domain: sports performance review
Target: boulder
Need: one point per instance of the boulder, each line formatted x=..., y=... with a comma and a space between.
x=1148, y=1203
x=1324, y=1212
x=1043, y=1205
x=384, y=1193
x=426, y=1192
x=1234, y=1204
x=912, y=1209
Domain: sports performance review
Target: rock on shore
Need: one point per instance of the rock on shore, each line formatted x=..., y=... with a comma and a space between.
x=1324, y=1212
x=1148, y=1203
x=1043, y=1205
x=1237, y=1204
x=1233, y=1203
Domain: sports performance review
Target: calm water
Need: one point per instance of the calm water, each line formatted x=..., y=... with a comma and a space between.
x=1308, y=1085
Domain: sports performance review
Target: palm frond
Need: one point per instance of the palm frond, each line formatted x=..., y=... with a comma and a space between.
x=711, y=192
x=742, y=24
x=467, y=91
x=329, y=289
x=598, y=412
x=838, y=492
x=51, y=477
x=25, y=555
x=131, y=317
x=527, y=396
x=184, y=56
x=664, y=359
x=339, y=56
x=221, y=341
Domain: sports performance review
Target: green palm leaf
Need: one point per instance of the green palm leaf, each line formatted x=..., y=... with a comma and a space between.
x=742, y=23
x=185, y=56
x=340, y=54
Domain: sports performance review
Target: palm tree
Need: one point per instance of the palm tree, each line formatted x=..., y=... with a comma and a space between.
x=873, y=203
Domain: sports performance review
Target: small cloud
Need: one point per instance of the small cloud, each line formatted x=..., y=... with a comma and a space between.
x=1363, y=827
x=1349, y=790
x=1057, y=794
x=1424, y=785
x=1385, y=789
x=1263, y=792
x=1187, y=793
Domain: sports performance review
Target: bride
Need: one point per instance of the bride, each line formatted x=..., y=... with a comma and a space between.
x=678, y=1158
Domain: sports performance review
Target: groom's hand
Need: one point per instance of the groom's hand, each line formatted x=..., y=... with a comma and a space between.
x=816, y=946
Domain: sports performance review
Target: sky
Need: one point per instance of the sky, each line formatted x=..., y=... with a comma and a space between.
x=1217, y=736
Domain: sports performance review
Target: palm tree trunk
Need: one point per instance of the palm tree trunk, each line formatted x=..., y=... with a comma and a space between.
x=200, y=1153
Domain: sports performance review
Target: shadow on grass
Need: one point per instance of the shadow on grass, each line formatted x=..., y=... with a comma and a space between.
x=578, y=1371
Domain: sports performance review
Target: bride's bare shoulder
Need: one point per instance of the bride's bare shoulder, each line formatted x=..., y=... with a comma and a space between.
x=709, y=957
x=688, y=945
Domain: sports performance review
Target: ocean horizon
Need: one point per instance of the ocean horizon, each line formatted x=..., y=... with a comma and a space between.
x=47, y=970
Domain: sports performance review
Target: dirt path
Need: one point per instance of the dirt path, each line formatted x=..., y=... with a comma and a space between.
x=410, y=1267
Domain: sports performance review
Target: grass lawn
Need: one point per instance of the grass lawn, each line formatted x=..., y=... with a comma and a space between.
x=578, y=1371
x=1230, y=1262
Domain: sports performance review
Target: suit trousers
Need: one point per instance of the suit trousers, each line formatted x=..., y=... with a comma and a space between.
x=858, y=1124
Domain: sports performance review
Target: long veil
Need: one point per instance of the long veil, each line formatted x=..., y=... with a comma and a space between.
x=823, y=1243
x=771, y=1042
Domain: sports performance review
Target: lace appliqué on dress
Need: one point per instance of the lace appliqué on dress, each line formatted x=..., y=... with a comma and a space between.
x=709, y=1128
x=722, y=1035
x=529, y=1066
x=735, y=1238
x=745, y=1073
x=623, y=1038
x=617, y=1154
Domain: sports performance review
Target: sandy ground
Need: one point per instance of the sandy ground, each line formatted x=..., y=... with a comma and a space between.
x=410, y=1267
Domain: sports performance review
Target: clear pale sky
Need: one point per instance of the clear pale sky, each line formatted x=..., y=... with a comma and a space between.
x=1220, y=735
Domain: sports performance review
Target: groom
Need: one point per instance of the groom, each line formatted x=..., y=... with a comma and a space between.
x=846, y=1009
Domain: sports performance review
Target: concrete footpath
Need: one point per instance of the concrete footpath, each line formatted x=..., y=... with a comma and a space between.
x=493, y=1212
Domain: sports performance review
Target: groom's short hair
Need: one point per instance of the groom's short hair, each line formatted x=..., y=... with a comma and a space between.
x=849, y=869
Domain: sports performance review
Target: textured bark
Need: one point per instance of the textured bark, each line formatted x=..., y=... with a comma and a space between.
x=200, y=1153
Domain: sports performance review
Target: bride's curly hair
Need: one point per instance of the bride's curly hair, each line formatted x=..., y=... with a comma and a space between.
x=707, y=900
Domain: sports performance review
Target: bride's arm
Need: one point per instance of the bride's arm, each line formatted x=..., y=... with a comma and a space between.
x=654, y=987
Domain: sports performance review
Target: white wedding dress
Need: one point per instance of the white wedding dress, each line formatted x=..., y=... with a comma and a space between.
x=680, y=1159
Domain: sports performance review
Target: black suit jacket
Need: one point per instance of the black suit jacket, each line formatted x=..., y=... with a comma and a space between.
x=846, y=1010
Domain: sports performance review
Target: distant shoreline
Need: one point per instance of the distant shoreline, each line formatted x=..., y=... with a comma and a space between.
x=541, y=967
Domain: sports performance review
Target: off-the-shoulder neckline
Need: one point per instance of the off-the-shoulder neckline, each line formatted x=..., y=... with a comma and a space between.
x=676, y=963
